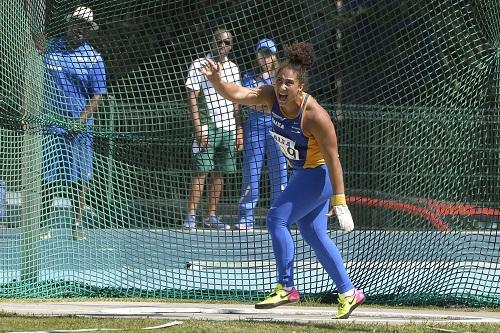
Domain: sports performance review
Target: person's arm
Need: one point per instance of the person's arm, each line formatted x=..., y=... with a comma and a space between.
x=192, y=101
x=90, y=108
x=97, y=87
x=317, y=123
x=239, y=127
x=235, y=93
x=40, y=42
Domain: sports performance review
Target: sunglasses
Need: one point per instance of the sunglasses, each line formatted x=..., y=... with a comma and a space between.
x=226, y=42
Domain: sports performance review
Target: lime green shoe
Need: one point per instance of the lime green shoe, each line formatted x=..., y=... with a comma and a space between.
x=348, y=304
x=278, y=297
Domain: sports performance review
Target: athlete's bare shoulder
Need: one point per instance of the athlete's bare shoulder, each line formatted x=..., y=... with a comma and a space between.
x=314, y=111
x=315, y=116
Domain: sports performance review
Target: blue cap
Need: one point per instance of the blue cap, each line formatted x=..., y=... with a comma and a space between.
x=266, y=43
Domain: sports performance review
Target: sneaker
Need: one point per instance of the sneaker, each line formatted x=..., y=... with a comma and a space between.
x=278, y=297
x=348, y=304
x=46, y=234
x=78, y=234
x=190, y=222
x=243, y=226
x=214, y=223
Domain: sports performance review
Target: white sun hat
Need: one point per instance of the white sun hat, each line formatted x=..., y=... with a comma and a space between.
x=84, y=13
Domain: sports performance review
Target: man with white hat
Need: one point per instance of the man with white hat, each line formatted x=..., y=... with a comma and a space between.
x=85, y=14
x=75, y=82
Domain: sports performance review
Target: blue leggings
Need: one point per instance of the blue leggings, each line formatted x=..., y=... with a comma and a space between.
x=259, y=145
x=305, y=201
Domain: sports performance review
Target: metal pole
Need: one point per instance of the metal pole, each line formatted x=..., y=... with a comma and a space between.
x=32, y=98
x=338, y=75
x=111, y=165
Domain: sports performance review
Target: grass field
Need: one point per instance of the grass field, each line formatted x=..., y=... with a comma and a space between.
x=13, y=323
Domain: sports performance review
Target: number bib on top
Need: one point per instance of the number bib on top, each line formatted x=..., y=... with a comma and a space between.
x=287, y=146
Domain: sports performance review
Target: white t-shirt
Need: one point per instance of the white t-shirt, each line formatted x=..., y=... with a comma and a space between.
x=220, y=110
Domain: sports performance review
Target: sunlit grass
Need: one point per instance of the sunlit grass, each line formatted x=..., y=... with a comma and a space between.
x=13, y=323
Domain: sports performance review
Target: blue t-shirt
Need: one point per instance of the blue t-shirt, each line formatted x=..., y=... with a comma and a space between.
x=72, y=77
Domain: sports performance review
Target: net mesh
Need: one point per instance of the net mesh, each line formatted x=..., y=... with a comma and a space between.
x=413, y=89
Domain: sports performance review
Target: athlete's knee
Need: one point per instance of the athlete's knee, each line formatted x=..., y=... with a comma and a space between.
x=275, y=220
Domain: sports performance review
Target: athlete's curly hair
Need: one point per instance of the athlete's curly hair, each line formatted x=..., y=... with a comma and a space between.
x=300, y=57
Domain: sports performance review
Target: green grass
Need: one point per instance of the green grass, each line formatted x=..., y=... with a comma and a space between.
x=12, y=323
x=207, y=301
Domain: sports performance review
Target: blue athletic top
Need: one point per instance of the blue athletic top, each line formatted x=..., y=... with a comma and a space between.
x=301, y=151
x=73, y=77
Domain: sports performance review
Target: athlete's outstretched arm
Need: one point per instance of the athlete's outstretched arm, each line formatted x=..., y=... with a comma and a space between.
x=235, y=93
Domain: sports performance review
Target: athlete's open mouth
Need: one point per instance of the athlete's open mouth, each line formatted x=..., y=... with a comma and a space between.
x=282, y=98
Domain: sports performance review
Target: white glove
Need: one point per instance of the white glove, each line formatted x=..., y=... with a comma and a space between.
x=345, y=218
x=339, y=206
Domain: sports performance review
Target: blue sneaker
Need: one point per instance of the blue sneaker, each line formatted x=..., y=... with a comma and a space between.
x=214, y=223
x=190, y=222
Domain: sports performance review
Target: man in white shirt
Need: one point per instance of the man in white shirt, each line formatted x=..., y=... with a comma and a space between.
x=215, y=144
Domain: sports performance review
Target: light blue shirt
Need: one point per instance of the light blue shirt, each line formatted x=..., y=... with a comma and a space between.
x=72, y=77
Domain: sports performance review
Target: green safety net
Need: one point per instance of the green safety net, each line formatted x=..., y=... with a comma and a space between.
x=413, y=88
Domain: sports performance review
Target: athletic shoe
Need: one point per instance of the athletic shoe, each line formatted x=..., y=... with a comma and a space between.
x=278, y=297
x=190, y=222
x=348, y=304
x=243, y=226
x=46, y=234
x=214, y=223
x=78, y=234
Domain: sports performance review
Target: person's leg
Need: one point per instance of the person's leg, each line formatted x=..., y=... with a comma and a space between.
x=276, y=164
x=224, y=162
x=313, y=228
x=77, y=191
x=253, y=155
x=203, y=163
x=83, y=159
x=56, y=167
x=80, y=204
x=197, y=185
x=304, y=192
x=214, y=190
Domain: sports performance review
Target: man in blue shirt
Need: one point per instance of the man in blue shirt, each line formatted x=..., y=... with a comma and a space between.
x=75, y=81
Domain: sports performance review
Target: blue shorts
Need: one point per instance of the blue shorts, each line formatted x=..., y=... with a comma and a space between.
x=67, y=157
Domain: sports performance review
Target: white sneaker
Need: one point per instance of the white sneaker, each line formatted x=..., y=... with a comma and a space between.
x=189, y=222
x=78, y=234
x=47, y=234
x=214, y=223
x=244, y=226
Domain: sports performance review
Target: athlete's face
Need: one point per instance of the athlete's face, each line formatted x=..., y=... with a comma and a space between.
x=287, y=86
x=222, y=45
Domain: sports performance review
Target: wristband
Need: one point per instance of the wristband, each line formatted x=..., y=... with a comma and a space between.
x=338, y=199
